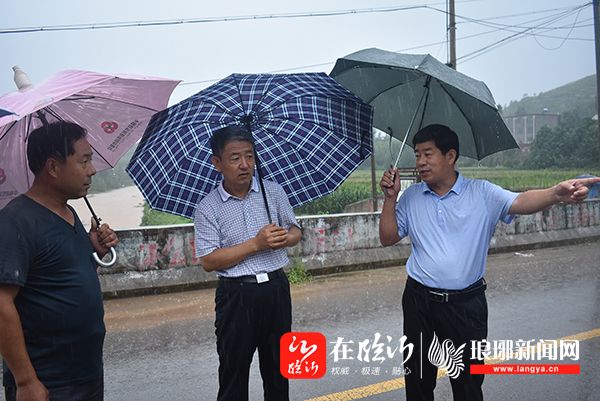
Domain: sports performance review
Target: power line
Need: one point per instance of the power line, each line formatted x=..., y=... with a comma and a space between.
x=485, y=33
x=130, y=24
x=518, y=35
x=522, y=26
x=565, y=39
x=522, y=14
x=204, y=81
x=565, y=12
x=504, y=27
x=399, y=50
x=499, y=27
x=546, y=29
x=303, y=67
x=569, y=10
x=507, y=27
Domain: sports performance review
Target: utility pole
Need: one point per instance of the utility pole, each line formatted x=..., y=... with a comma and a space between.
x=597, y=43
x=452, y=32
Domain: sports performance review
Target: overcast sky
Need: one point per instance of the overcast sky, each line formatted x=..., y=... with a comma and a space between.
x=196, y=52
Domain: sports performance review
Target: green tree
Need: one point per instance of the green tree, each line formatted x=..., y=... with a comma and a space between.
x=572, y=144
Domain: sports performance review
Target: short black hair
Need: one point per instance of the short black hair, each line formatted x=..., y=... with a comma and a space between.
x=227, y=134
x=53, y=140
x=443, y=137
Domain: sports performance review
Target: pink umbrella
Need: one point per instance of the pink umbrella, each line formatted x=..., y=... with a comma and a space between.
x=114, y=110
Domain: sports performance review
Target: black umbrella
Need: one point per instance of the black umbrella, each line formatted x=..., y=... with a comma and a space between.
x=409, y=91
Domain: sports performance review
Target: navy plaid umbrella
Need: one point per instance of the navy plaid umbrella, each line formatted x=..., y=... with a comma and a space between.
x=310, y=133
x=5, y=113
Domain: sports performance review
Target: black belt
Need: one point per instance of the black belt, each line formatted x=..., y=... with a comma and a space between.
x=255, y=278
x=443, y=296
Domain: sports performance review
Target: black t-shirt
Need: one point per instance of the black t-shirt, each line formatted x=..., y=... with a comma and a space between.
x=60, y=301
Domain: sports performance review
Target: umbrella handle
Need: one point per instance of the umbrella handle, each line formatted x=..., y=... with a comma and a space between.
x=99, y=261
x=262, y=185
x=110, y=263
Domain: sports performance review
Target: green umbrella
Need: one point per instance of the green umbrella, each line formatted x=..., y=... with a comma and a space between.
x=410, y=91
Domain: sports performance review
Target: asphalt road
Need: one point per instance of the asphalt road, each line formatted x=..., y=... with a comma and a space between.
x=163, y=347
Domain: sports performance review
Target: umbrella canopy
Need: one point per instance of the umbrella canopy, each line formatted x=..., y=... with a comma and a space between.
x=410, y=91
x=5, y=113
x=114, y=110
x=310, y=133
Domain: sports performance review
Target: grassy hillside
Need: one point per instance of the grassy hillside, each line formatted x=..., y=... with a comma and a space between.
x=578, y=96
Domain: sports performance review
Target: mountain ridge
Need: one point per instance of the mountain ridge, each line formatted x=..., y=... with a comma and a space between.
x=578, y=97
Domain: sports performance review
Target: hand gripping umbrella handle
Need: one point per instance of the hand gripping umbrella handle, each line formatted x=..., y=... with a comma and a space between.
x=113, y=253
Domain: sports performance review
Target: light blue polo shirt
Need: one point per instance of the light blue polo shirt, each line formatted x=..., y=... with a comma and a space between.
x=451, y=235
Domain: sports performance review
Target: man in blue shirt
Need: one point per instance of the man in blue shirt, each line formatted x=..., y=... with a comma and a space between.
x=233, y=237
x=450, y=221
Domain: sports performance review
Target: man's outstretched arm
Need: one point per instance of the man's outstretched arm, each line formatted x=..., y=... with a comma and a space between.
x=570, y=191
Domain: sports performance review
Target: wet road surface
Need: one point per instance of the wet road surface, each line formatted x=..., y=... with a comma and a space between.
x=163, y=347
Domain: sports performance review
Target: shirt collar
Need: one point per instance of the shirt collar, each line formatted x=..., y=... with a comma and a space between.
x=226, y=195
x=456, y=188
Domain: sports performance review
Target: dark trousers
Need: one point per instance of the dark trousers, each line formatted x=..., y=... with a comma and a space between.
x=461, y=321
x=251, y=316
x=90, y=391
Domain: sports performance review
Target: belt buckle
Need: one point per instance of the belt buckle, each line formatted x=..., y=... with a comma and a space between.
x=262, y=278
x=443, y=296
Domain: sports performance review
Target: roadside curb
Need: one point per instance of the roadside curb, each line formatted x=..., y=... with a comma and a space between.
x=158, y=276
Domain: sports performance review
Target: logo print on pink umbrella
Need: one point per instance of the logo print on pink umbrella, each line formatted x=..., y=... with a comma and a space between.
x=109, y=126
x=2, y=176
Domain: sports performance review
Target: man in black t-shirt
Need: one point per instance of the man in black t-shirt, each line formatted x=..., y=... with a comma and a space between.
x=51, y=313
